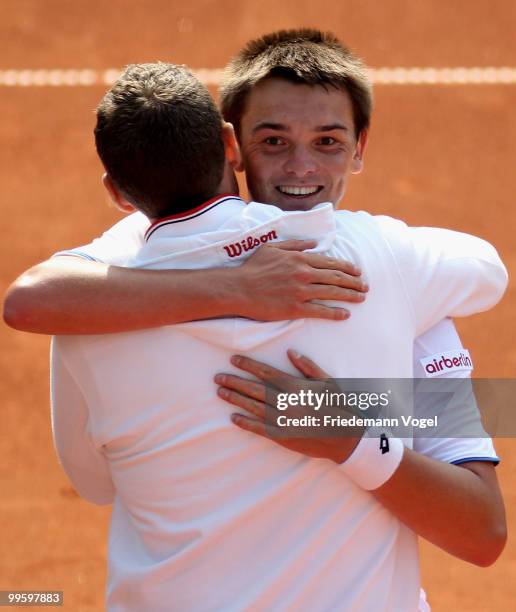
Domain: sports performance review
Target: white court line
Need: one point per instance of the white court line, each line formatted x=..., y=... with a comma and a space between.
x=212, y=76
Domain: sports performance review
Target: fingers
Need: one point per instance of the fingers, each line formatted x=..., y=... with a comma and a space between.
x=244, y=386
x=250, y=424
x=260, y=370
x=338, y=278
x=242, y=401
x=331, y=292
x=276, y=380
x=330, y=263
x=318, y=311
x=306, y=366
x=316, y=260
x=294, y=245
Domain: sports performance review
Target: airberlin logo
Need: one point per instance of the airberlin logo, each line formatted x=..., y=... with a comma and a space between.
x=449, y=361
x=248, y=244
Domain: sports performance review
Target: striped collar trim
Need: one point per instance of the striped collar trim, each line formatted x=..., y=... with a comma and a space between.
x=192, y=213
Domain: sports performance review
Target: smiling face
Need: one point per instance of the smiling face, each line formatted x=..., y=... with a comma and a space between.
x=298, y=144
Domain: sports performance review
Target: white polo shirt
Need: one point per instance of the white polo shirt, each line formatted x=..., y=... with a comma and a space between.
x=207, y=516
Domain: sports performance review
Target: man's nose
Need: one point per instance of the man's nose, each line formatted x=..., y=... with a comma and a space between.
x=300, y=162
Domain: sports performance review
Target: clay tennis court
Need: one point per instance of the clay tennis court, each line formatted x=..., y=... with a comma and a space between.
x=440, y=153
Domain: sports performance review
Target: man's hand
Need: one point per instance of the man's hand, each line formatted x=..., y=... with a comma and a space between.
x=458, y=508
x=260, y=399
x=279, y=281
x=275, y=283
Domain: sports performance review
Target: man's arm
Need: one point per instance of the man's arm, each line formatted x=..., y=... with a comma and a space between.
x=459, y=436
x=70, y=295
x=457, y=507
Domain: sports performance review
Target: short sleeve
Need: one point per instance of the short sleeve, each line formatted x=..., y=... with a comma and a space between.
x=445, y=273
x=430, y=347
x=118, y=245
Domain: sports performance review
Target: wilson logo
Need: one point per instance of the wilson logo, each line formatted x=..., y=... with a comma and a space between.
x=449, y=361
x=248, y=244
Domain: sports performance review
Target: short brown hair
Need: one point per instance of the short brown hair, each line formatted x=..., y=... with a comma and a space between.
x=305, y=56
x=159, y=136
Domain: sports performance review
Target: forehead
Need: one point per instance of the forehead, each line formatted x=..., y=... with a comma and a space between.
x=277, y=100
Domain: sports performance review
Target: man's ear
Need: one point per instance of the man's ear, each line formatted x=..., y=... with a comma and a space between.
x=357, y=164
x=116, y=197
x=231, y=147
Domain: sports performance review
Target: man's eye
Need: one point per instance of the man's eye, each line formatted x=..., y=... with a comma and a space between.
x=273, y=140
x=327, y=141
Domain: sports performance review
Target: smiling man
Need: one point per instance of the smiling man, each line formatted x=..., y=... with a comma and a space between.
x=302, y=126
x=299, y=143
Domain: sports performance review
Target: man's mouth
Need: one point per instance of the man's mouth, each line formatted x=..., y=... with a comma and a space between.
x=298, y=191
